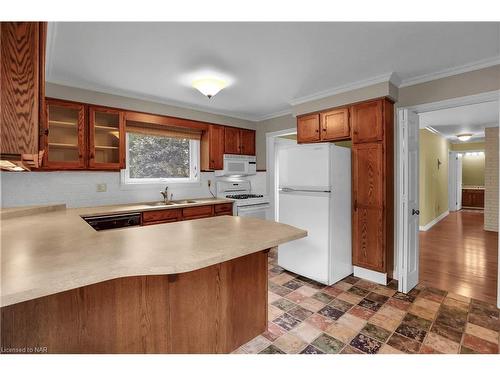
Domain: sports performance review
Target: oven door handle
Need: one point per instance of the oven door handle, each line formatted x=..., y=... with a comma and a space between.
x=254, y=207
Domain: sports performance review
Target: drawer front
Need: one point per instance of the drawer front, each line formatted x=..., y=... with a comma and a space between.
x=197, y=212
x=161, y=215
x=223, y=208
x=224, y=213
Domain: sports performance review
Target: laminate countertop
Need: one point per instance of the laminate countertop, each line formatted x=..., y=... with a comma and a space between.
x=53, y=250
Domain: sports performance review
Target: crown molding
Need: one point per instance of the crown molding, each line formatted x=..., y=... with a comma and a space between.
x=153, y=99
x=347, y=87
x=489, y=96
x=388, y=77
x=481, y=64
x=274, y=115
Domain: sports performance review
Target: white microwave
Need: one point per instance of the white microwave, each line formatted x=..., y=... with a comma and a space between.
x=238, y=165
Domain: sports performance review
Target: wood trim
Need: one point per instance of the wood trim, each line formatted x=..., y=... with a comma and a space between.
x=41, y=107
x=165, y=120
x=388, y=116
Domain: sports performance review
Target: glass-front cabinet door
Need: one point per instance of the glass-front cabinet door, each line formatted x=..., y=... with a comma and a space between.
x=106, y=138
x=64, y=135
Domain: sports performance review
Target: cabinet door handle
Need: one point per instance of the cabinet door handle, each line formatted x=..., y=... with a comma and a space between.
x=415, y=212
x=317, y=131
x=324, y=129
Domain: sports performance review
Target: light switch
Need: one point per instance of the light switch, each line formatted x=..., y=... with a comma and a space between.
x=101, y=188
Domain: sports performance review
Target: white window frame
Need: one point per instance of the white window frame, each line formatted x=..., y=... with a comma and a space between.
x=194, y=169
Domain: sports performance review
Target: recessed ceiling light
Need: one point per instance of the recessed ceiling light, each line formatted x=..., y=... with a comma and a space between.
x=464, y=137
x=209, y=86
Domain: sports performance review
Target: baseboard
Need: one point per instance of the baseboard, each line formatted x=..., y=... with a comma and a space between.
x=430, y=224
x=373, y=276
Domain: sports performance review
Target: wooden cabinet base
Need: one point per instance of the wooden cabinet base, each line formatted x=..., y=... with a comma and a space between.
x=212, y=310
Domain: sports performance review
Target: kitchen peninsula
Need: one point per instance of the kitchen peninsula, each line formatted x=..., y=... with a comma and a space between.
x=195, y=286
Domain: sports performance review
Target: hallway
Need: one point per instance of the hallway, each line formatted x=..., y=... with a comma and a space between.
x=457, y=255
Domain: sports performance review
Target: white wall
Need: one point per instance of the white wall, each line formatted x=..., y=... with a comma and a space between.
x=78, y=189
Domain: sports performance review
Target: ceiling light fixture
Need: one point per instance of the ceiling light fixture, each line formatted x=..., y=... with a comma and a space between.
x=209, y=86
x=464, y=137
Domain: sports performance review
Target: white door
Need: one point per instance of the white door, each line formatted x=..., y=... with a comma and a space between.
x=408, y=141
x=459, y=181
x=308, y=256
x=304, y=167
x=260, y=211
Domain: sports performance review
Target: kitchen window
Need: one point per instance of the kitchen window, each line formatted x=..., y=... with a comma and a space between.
x=161, y=155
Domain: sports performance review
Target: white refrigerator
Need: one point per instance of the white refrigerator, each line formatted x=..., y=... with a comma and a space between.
x=314, y=193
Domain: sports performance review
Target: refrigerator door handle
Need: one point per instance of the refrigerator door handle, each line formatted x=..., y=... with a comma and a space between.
x=290, y=190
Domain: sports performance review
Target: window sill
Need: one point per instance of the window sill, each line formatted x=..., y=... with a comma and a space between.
x=157, y=185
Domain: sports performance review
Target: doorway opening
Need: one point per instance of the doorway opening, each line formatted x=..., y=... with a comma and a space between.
x=448, y=197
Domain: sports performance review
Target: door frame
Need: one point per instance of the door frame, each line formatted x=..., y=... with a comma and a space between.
x=453, y=181
x=272, y=176
x=398, y=181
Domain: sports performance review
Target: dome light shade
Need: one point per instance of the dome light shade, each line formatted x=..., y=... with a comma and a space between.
x=464, y=137
x=209, y=86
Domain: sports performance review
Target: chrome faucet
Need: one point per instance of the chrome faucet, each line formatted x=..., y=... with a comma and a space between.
x=165, y=195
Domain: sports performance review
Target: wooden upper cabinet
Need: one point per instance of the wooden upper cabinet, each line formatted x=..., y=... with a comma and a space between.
x=231, y=140
x=22, y=67
x=367, y=121
x=106, y=138
x=247, y=142
x=308, y=128
x=64, y=135
x=219, y=140
x=216, y=147
x=335, y=125
x=367, y=175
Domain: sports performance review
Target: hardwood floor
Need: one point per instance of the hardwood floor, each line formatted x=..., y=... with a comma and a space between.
x=459, y=256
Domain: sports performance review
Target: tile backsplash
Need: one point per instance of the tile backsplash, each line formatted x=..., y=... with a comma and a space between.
x=80, y=189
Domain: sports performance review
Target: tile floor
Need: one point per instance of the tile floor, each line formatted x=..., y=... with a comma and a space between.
x=355, y=316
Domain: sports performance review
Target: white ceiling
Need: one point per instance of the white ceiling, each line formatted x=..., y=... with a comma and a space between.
x=471, y=119
x=273, y=64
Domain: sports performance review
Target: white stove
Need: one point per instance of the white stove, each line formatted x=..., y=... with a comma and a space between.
x=245, y=202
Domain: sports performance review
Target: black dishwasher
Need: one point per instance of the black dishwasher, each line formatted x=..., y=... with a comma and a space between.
x=104, y=222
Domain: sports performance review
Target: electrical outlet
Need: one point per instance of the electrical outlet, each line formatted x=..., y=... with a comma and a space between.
x=101, y=188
